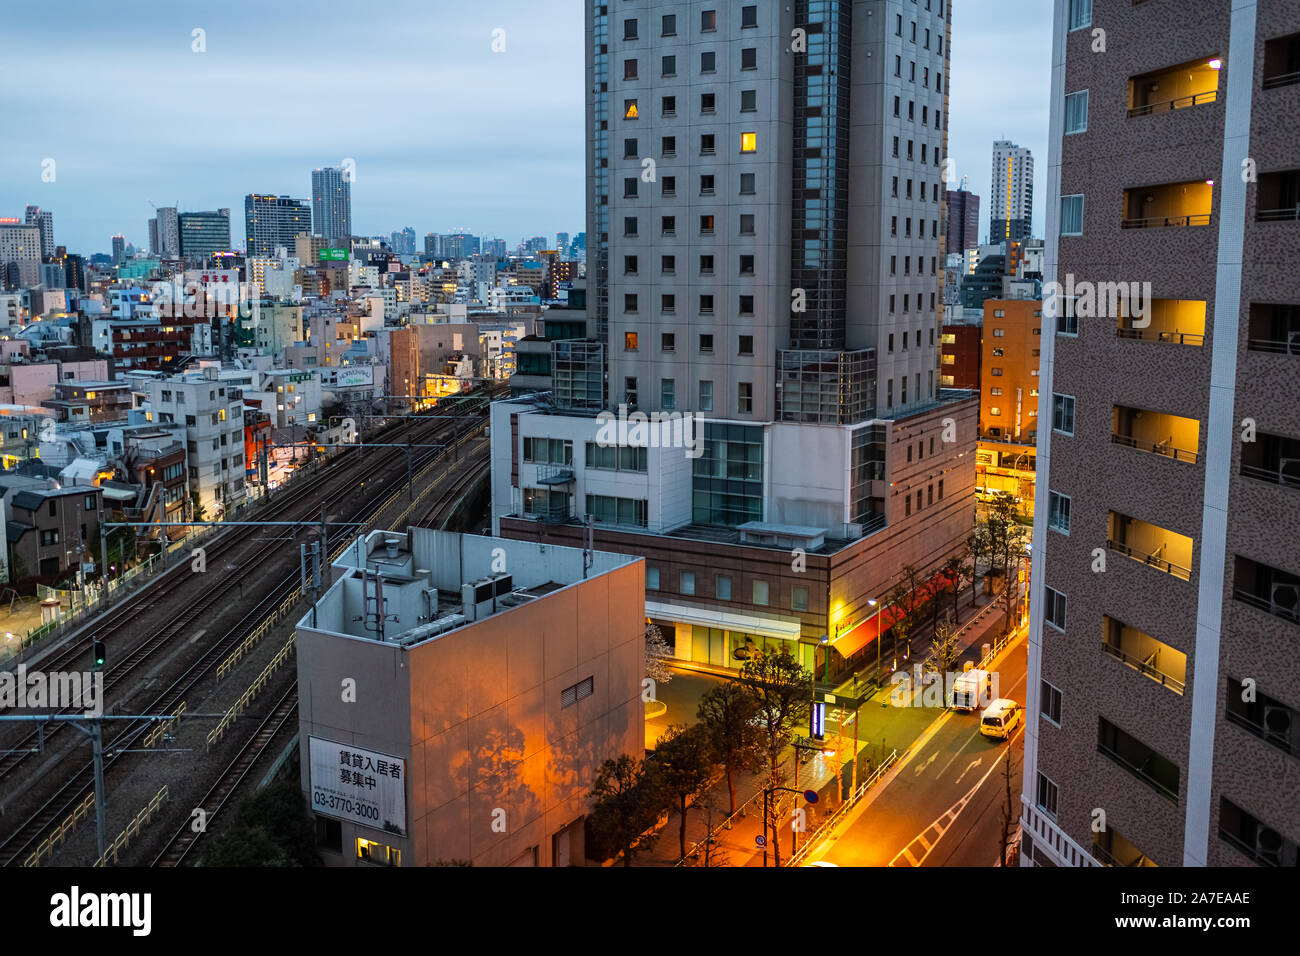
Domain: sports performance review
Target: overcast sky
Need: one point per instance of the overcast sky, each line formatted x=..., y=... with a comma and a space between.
x=445, y=133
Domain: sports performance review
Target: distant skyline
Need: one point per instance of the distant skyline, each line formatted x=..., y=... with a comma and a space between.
x=446, y=134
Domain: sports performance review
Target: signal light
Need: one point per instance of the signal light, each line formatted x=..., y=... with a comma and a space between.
x=97, y=652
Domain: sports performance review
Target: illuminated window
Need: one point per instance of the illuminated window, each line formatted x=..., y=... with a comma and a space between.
x=748, y=142
x=629, y=109
x=373, y=852
x=629, y=341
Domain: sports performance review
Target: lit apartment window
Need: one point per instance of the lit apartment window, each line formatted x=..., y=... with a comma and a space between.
x=748, y=142
x=629, y=341
x=1076, y=112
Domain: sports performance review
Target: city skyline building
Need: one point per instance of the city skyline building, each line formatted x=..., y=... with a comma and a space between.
x=203, y=233
x=331, y=203
x=271, y=222
x=43, y=219
x=963, y=212
x=1011, y=203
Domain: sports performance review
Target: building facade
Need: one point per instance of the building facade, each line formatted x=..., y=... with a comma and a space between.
x=331, y=204
x=272, y=222
x=1162, y=691
x=1011, y=205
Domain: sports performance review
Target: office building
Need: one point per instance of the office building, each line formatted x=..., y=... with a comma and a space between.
x=331, y=204
x=493, y=680
x=20, y=253
x=788, y=301
x=963, y=211
x=165, y=233
x=1162, y=690
x=272, y=222
x=1011, y=206
x=119, y=249
x=204, y=233
x=1009, y=357
x=43, y=219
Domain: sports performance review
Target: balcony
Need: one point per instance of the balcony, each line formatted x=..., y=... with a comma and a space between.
x=1282, y=62
x=1165, y=665
x=1157, y=772
x=1264, y=717
x=1111, y=849
x=1174, y=88
x=1151, y=545
x=1269, y=589
x=1156, y=432
x=1272, y=458
x=1175, y=321
x=1278, y=197
x=1169, y=205
x=1274, y=328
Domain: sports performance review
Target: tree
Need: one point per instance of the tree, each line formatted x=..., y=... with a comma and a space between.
x=980, y=548
x=907, y=602
x=657, y=654
x=956, y=569
x=197, y=507
x=270, y=828
x=728, y=713
x=622, y=808
x=943, y=648
x=711, y=851
x=1009, y=815
x=683, y=761
x=782, y=690
x=1016, y=536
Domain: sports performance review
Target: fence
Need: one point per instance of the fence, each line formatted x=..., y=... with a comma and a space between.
x=133, y=828
x=46, y=846
x=249, y=695
x=830, y=822
x=259, y=632
x=160, y=729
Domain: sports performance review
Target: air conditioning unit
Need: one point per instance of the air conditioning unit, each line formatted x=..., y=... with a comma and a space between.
x=1268, y=845
x=1277, y=722
x=1288, y=471
x=1285, y=600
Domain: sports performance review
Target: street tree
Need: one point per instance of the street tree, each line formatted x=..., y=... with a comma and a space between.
x=979, y=545
x=943, y=648
x=684, y=764
x=728, y=712
x=623, y=807
x=782, y=691
x=657, y=654
x=1009, y=814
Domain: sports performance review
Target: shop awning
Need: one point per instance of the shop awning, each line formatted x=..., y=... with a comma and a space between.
x=724, y=620
x=862, y=634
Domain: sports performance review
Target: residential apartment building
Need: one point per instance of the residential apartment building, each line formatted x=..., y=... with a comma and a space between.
x=213, y=416
x=778, y=277
x=963, y=211
x=487, y=699
x=331, y=205
x=1162, y=690
x=272, y=222
x=1011, y=205
x=51, y=531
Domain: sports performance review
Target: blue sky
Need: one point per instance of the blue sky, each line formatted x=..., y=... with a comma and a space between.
x=445, y=133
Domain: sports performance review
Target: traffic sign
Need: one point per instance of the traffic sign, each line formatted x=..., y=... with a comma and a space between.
x=810, y=796
x=760, y=841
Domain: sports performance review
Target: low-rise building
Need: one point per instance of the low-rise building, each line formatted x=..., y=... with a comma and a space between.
x=492, y=678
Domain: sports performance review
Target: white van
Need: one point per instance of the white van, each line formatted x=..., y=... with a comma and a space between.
x=968, y=688
x=1000, y=718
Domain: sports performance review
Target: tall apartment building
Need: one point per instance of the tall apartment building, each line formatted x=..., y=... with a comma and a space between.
x=20, y=253
x=963, y=210
x=203, y=233
x=331, y=203
x=43, y=220
x=1011, y=206
x=165, y=233
x=1010, y=345
x=119, y=249
x=1163, y=690
x=273, y=221
x=765, y=254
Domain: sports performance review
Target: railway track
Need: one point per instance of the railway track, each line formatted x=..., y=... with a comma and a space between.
x=16, y=845
x=186, y=838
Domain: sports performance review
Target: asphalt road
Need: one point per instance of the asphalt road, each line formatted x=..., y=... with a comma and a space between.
x=944, y=806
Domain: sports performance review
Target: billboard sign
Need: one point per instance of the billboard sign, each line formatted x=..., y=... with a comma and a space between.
x=333, y=255
x=352, y=376
x=358, y=785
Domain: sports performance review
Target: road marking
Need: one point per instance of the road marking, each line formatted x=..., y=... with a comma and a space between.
x=969, y=767
x=921, y=767
x=950, y=815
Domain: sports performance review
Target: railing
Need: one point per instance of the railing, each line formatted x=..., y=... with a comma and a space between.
x=1151, y=560
x=1178, y=103
x=249, y=695
x=256, y=634
x=1138, y=771
x=159, y=731
x=1272, y=475
x=1177, y=338
x=1290, y=214
x=1106, y=858
x=830, y=822
x=1158, y=222
x=1278, y=80
x=1157, y=675
x=1157, y=447
x=46, y=846
x=1289, y=347
x=1267, y=606
x=1281, y=740
x=132, y=828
